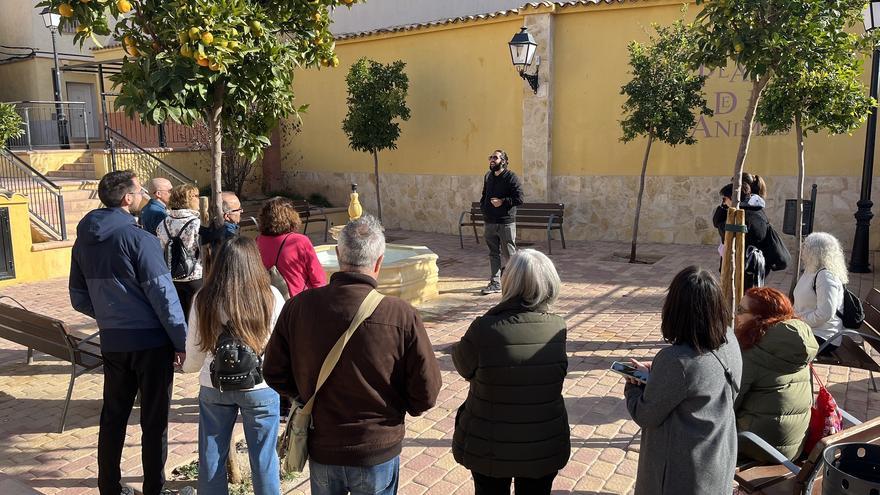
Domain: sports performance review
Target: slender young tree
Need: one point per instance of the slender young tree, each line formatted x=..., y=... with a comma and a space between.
x=376, y=98
x=227, y=62
x=819, y=90
x=759, y=36
x=661, y=97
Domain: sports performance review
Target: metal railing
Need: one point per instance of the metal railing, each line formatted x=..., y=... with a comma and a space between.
x=167, y=135
x=54, y=124
x=45, y=201
x=125, y=154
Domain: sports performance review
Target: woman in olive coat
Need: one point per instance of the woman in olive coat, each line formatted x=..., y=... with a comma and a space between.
x=513, y=424
x=776, y=396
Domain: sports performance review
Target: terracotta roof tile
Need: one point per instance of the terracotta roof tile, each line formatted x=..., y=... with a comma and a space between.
x=473, y=17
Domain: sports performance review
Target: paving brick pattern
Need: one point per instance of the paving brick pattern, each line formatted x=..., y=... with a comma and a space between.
x=612, y=309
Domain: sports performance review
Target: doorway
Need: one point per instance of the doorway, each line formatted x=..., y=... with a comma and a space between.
x=84, y=92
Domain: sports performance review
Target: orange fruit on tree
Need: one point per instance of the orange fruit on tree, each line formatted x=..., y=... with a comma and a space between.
x=65, y=10
x=207, y=38
x=194, y=33
x=186, y=51
x=123, y=6
x=202, y=60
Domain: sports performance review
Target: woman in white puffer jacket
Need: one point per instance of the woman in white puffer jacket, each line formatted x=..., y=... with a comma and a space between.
x=818, y=296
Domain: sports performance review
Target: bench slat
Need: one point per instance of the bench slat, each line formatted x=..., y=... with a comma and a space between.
x=31, y=330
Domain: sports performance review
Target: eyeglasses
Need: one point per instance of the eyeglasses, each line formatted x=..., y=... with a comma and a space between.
x=239, y=210
x=742, y=311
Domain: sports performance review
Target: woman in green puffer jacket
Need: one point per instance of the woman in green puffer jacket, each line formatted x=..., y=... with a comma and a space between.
x=513, y=425
x=775, y=397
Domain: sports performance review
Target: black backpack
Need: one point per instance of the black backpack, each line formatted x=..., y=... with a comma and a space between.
x=853, y=314
x=236, y=366
x=776, y=254
x=180, y=261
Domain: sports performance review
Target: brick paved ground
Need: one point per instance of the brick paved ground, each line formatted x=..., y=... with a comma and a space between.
x=612, y=309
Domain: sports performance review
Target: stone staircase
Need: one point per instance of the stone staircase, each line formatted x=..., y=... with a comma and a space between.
x=80, y=190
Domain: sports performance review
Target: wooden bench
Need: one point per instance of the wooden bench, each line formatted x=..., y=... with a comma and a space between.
x=311, y=214
x=50, y=336
x=803, y=477
x=851, y=353
x=542, y=216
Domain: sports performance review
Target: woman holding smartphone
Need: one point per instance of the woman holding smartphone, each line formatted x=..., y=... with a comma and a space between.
x=686, y=407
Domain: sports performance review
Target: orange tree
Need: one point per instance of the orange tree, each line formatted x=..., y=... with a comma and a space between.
x=229, y=62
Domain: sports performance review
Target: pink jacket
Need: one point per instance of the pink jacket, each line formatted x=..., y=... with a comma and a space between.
x=297, y=262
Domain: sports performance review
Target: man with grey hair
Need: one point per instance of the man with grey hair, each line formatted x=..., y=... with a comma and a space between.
x=386, y=370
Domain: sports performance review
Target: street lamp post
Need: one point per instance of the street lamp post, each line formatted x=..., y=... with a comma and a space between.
x=51, y=20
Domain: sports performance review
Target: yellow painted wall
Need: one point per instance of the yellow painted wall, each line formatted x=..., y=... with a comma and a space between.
x=32, y=265
x=462, y=96
x=591, y=65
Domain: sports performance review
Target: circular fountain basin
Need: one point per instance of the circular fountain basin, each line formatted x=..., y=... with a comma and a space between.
x=408, y=272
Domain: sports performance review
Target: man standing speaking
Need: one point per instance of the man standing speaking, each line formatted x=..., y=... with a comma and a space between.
x=502, y=193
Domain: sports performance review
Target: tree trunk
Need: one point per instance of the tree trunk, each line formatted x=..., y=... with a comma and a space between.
x=233, y=470
x=799, y=217
x=731, y=254
x=216, y=131
x=632, y=252
x=378, y=193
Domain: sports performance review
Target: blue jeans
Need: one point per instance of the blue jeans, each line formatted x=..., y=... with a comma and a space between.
x=380, y=479
x=217, y=414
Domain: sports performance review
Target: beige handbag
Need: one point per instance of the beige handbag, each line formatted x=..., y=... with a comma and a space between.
x=293, y=448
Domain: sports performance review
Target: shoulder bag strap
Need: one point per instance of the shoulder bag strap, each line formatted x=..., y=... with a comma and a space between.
x=278, y=255
x=727, y=374
x=364, y=311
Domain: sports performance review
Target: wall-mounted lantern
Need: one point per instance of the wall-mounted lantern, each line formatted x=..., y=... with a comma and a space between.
x=522, y=54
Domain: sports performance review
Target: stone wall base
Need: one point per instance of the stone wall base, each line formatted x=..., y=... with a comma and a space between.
x=675, y=209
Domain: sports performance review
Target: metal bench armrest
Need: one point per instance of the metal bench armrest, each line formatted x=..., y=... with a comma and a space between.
x=20, y=305
x=849, y=332
x=770, y=450
x=88, y=339
x=849, y=417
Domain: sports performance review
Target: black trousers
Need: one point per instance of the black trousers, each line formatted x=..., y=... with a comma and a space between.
x=185, y=292
x=125, y=373
x=487, y=485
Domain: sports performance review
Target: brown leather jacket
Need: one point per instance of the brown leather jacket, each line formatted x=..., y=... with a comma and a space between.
x=387, y=369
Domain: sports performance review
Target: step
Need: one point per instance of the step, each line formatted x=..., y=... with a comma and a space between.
x=76, y=184
x=70, y=174
x=80, y=195
x=81, y=167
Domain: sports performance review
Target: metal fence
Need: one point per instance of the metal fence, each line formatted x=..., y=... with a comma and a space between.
x=167, y=135
x=53, y=125
x=125, y=154
x=45, y=202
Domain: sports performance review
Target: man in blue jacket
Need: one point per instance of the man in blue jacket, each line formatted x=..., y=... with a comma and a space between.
x=118, y=276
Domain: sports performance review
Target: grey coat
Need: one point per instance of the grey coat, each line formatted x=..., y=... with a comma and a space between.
x=687, y=419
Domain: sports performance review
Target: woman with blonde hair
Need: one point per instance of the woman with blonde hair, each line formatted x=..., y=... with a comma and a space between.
x=183, y=221
x=818, y=295
x=513, y=424
x=238, y=302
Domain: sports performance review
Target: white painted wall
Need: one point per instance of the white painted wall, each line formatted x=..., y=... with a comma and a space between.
x=376, y=14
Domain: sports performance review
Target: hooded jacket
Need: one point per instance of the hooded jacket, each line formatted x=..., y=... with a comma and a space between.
x=775, y=396
x=118, y=276
x=756, y=221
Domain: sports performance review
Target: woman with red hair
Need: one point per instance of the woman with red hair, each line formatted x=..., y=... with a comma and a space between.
x=775, y=396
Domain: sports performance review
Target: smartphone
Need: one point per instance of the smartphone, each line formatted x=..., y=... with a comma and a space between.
x=630, y=371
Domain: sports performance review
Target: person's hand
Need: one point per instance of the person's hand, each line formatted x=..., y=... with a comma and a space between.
x=643, y=367
x=496, y=202
x=179, y=358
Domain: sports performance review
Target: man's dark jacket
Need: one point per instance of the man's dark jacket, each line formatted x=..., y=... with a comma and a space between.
x=756, y=223
x=152, y=215
x=505, y=187
x=386, y=370
x=514, y=422
x=118, y=276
